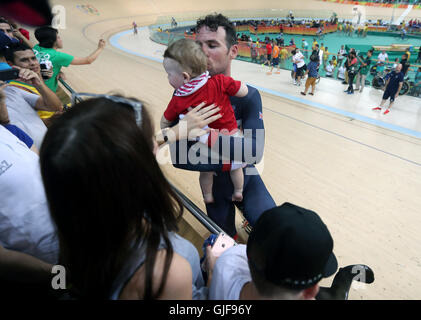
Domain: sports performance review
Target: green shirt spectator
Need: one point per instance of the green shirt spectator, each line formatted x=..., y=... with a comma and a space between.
x=364, y=69
x=46, y=52
x=56, y=59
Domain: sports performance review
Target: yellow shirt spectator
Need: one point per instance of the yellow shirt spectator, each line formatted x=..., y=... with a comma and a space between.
x=284, y=53
x=325, y=55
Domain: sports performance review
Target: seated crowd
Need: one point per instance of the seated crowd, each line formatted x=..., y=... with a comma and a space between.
x=81, y=187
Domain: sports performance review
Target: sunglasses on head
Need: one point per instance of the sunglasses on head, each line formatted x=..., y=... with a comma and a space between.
x=136, y=105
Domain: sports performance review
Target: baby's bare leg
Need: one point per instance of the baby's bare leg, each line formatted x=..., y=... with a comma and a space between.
x=237, y=179
x=206, y=183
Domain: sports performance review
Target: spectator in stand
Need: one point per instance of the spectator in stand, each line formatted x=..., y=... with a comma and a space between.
x=14, y=34
x=320, y=52
x=341, y=54
x=288, y=252
x=268, y=54
x=284, y=54
x=5, y=122
x=22, y=105
x=351, y=67
x=22, y=56
x=298, y=59
x=365, y=30
x=17, y=29
x=329, y=69
x=408, y=52
x=382, y=58
x=253, y=52
x=305, y=48
x=281, y=42
x=363, y=71
x=312, y=71
x=275, y=58
x=46, y=52
x=405, y=64
x=334, y=61
x=313, y=46
x=291, y=42
x=325, y=55
x=24, y=222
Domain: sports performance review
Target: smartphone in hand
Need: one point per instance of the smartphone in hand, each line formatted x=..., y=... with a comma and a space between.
x=222, y=243
x=9, y=74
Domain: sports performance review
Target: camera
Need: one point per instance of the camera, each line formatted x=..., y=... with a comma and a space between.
x=45, y=65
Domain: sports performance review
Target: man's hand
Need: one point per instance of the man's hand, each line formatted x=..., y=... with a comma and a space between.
x=47, y=73
x=62, y=76
x=101, y=44
x=28, y=76
x=17, y=34
x=198, y=118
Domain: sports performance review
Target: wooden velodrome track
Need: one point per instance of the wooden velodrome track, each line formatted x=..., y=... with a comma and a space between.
x=370, y=200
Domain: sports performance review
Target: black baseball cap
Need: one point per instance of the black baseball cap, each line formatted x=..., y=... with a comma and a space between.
x=291, y=247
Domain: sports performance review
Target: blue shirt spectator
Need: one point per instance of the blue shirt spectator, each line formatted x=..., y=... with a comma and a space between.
x=312, y=69
x=394, y=80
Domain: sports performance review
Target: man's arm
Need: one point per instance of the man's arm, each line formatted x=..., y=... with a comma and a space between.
x=48, y=100
x=92, y=57
x=20, y=36
x=387, y=83
x=18, y=266
x=399, y=89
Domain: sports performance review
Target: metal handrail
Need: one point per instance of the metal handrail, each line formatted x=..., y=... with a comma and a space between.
x=207, y=222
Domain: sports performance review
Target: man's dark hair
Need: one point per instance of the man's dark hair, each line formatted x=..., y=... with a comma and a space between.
x=9, y=53
x=3, y=20
x=213, y=21
x=405, y=55
x=46, y=36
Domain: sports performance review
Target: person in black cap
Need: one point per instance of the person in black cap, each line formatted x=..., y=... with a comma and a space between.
x=288, y=252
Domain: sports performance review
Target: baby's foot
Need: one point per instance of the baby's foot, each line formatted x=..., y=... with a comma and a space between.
x=237, y=195
x=208, y=198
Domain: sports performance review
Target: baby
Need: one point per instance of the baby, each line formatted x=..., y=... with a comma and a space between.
x=185, y=64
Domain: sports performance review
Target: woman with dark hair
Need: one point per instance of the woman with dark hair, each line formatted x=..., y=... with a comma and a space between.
x=47, y=54
x=115, y=213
